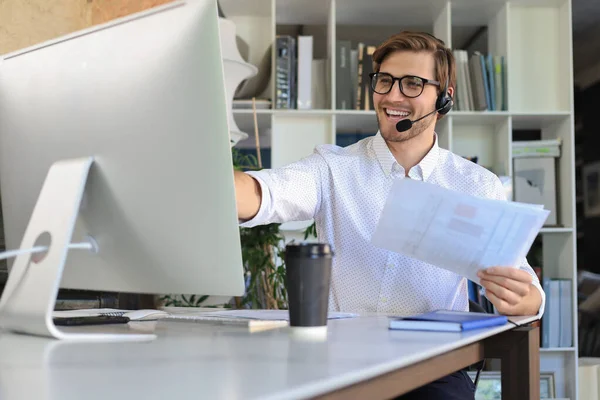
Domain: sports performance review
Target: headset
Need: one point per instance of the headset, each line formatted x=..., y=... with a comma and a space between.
x=443, y=103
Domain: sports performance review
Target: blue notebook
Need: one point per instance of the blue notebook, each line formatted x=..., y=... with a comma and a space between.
x=448, y=321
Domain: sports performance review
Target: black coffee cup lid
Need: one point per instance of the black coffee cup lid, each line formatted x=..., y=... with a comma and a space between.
x=308, y=249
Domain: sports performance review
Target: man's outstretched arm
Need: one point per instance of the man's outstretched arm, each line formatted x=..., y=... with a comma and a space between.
x=247, y=195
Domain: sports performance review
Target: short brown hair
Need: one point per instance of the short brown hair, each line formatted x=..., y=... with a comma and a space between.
x=420, y=41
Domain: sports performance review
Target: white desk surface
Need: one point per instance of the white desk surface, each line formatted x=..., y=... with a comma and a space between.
x=192, y=360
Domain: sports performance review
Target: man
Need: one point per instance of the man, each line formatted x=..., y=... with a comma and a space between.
x=344, y=190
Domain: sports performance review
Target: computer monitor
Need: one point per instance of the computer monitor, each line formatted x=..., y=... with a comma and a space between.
x=140, y=103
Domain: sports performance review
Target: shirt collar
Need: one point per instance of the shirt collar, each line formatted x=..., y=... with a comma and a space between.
x=388, y=163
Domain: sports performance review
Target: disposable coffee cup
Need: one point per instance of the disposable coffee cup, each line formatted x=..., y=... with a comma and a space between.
x=308, y=274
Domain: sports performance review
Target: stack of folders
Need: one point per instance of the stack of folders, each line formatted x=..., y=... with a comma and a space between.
x=301, y=82
x=448, y=321
x=480, y=81
x=557, y=322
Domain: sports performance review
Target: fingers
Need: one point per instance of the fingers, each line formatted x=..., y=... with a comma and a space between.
x=517, y=286
x=501, y=306
x=507, y=288
x=516, y=274
x=501, y=292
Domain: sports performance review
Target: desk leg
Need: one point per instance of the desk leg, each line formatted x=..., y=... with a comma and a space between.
x=519, y=352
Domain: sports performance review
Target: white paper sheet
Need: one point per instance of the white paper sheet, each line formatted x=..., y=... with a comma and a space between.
x=455, y=231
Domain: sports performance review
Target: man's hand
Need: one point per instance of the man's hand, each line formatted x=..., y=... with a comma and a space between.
x=510, y=290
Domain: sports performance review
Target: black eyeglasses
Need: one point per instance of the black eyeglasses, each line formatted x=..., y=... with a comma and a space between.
x=410, y=85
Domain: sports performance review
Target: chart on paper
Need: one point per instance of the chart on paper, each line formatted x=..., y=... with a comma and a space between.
x=456, y=231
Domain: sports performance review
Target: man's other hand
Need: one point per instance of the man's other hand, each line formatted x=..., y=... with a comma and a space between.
x=510, y=290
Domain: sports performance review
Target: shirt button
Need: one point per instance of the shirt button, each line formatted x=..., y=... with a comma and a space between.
x=390, y=265
x=383, y=300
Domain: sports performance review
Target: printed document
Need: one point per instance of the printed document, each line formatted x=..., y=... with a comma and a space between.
x=456, y=231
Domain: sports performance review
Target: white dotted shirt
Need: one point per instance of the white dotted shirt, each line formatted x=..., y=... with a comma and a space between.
x=344, y=189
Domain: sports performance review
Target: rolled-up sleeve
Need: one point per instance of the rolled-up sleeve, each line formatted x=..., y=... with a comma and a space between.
x=289, y=193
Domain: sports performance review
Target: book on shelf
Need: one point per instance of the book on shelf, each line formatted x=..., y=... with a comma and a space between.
x=366, y=94
x=359, y=75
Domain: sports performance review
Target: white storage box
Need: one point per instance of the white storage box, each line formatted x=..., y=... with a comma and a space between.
x=535, y=183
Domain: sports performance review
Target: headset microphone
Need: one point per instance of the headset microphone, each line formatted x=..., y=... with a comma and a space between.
x=406, y=124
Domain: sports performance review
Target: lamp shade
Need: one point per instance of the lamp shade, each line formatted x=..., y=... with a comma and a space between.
x=236, y=70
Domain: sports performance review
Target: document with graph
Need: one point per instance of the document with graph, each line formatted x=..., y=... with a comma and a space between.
x=456, y=231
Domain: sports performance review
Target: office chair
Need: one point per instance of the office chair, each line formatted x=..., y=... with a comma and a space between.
x=475, y=307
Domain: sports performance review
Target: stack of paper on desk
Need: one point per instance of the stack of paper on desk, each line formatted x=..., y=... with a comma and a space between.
x=254, y=319
x=455, y=231
x=245, y=316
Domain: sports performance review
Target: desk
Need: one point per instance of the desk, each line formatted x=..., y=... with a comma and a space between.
x=361, y=358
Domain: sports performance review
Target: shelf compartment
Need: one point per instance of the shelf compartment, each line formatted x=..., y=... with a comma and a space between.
x=539, y=62
x=296, y=136
x=306, y=12
x=540, y=120
x=416, y=14
x=486, y=137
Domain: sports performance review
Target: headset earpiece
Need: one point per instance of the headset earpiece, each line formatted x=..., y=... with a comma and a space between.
x=444, y=101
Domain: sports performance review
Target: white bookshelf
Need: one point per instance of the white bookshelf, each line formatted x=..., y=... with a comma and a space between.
x=534, y=36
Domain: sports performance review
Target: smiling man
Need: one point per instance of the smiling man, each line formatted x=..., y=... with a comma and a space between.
x=345, y=189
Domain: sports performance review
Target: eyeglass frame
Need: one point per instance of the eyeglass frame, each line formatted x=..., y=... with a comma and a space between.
x=394, y=79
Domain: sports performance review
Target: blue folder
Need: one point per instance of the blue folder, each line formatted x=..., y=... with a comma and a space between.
x=448, y=321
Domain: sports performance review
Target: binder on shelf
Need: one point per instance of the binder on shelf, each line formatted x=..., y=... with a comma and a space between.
x=305, y=57
x=343, y=76
x=285, y=81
